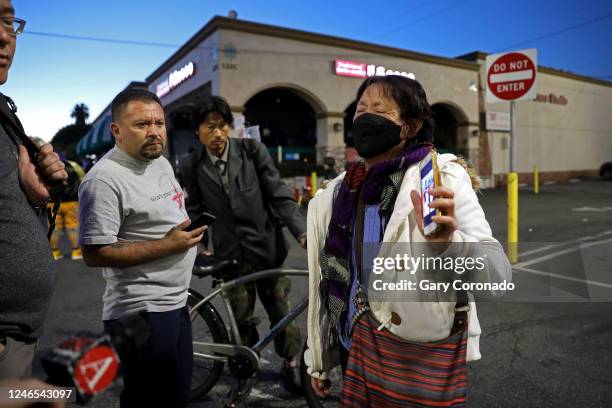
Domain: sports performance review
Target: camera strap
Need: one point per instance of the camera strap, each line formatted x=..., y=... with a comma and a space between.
x=55, y=188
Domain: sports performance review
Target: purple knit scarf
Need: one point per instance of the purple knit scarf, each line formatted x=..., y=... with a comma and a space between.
x=372, y=182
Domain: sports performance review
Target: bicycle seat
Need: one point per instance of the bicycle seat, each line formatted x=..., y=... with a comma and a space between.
x=209, y=265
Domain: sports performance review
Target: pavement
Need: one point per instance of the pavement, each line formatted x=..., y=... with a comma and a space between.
x=551, y=350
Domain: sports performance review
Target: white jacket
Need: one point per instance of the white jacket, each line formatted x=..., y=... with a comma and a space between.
x=420, y=321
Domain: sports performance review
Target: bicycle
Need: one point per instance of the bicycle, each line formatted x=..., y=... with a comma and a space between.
x=218, y=345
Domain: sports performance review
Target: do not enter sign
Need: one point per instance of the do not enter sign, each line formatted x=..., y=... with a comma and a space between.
x=511, y=76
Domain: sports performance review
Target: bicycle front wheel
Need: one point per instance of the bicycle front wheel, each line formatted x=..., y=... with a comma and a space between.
x=208, y=327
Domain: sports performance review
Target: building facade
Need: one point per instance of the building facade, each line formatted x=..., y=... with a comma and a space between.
x=300, y=87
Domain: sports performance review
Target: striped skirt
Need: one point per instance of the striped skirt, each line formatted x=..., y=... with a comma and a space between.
x=384, y=370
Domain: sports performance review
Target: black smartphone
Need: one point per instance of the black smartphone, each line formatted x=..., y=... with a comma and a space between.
x=203, y=219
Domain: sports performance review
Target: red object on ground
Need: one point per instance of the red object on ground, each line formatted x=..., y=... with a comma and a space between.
x=96, y=370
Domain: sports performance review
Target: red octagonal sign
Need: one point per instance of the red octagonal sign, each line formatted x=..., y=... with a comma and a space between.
x=511, y=76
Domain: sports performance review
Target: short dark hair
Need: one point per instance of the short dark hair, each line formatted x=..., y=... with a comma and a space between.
x=409, y=96
x=209, y=105
x=124, y=97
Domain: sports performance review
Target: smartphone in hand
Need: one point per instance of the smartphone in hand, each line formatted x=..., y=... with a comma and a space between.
x=203, y=219
x=430, y=178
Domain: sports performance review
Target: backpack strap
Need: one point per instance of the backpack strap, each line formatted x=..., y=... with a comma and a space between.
x=250, y=147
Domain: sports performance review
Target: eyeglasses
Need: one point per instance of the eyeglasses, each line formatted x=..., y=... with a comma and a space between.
x=12, y=25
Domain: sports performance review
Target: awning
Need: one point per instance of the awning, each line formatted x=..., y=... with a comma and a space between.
x=97, y=140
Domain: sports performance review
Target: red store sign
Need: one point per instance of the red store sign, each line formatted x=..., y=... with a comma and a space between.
x=350, y=68
x=552, y=98
x=358, y=69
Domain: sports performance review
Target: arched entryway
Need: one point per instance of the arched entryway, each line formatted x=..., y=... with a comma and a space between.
x=451, y=134
x=286, y=117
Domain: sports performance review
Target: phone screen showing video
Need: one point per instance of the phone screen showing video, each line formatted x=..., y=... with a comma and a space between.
x=427, y=182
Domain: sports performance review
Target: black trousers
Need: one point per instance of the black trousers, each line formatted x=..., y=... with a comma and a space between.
x=158, y=373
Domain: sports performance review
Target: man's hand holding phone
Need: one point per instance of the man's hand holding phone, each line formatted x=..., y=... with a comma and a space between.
x=188, y=233
x=202, y=220
x=179, y=239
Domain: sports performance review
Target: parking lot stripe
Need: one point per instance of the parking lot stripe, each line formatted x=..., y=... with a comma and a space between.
x=601, y=234
x=593, y=209
x=557, y=276
x=561, y=244
x=544, y=248
x=563, y=252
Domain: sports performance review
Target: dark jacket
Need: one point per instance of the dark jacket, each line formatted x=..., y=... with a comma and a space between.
x=330, y=174
x=27, y=271
x=244, y=228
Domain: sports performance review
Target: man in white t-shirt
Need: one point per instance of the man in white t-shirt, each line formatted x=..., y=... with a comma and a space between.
x=132, y=224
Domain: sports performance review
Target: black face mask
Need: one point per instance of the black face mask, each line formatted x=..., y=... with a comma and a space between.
x=374, y=134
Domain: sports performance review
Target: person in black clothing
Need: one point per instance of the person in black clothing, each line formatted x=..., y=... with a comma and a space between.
x=329, y=168
x=27, y=275
x=236, y=181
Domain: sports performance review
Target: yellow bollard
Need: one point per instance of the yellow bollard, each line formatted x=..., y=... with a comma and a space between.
x=313, y=182
x=513, y=217
x=536, y=180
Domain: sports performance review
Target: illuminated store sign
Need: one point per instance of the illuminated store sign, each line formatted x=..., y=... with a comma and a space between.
x=358, y=69
x=175, y=78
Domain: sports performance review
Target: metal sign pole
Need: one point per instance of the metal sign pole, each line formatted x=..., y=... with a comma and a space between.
x=512, y=76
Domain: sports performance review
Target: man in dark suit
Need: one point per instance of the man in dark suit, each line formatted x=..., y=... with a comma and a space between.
x=236, y=181
x=27, y=275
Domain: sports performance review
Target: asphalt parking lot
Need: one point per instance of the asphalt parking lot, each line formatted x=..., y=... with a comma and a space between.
x=550, y=349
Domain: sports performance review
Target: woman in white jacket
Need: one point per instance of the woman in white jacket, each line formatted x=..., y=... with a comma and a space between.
x=394, y=347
